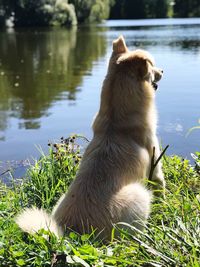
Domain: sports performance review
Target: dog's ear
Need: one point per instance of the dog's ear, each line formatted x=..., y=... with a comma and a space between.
x=119, y=45
x=137, y=62
x=142, y=67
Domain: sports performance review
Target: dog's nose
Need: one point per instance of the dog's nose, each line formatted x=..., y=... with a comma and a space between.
x=161, y=71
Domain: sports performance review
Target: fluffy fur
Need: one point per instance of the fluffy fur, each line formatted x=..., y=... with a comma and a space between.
x=108, y=187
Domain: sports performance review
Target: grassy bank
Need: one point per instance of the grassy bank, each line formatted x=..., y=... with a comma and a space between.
x=171, y=238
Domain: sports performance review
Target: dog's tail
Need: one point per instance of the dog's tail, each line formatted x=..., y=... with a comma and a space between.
x=33, y=219
x=134, y=200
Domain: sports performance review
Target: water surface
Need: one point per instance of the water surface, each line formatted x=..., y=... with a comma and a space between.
x=50, y=81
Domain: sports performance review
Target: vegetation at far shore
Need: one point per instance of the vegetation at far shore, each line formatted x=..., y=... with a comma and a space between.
x=71, y=12
x=171, y=237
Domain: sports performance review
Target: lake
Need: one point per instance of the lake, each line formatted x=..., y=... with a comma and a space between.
x=50, y=81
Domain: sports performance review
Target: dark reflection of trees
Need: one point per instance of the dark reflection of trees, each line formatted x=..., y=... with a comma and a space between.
x=191, y=45
x=180, y=37
x=4, y=104
x=39, y=66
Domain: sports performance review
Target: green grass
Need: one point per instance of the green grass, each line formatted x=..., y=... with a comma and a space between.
x=171, y=237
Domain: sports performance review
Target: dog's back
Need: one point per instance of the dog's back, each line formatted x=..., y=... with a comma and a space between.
x=97, y=198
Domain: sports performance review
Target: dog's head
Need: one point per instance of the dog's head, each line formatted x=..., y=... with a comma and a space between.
x=139, y=63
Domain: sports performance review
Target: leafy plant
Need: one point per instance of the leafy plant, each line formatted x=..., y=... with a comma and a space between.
x=51, y=175
x=196, y=158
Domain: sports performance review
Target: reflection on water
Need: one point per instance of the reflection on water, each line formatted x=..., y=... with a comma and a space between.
x=38, y=66
x=50, y=81
x=178, y=37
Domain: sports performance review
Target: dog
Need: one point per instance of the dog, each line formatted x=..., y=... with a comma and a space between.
x=109, y=186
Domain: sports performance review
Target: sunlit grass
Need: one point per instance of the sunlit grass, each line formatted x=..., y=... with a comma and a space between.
x=171, y=237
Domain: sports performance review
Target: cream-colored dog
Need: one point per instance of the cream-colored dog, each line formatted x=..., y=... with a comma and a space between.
x=108, y=187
